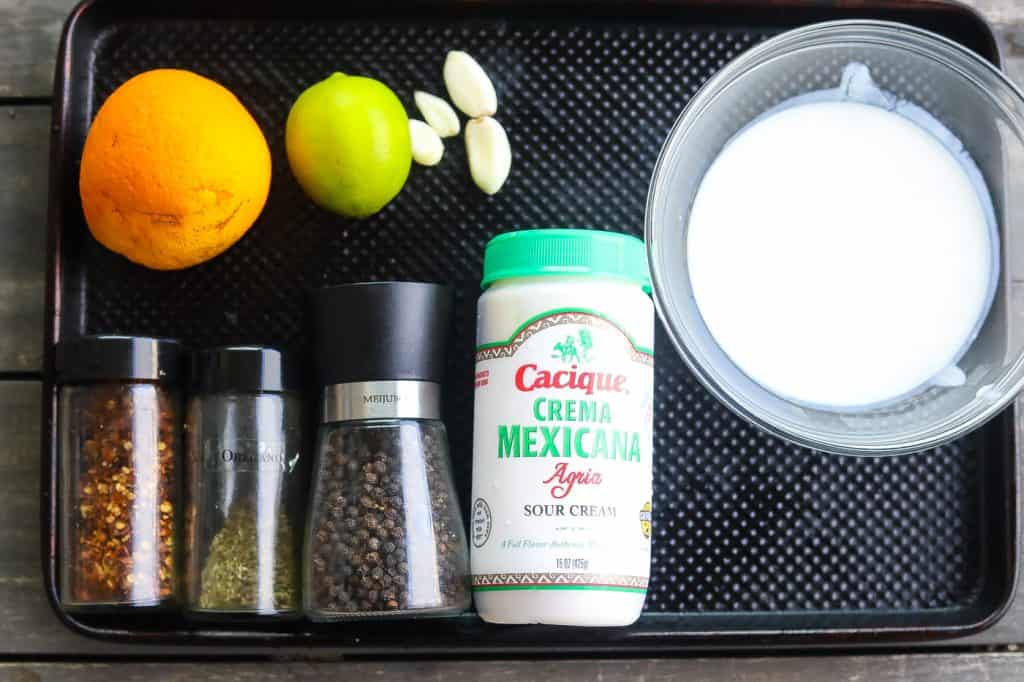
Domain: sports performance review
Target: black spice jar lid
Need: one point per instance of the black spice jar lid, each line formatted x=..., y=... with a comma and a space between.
x=243, y=368
x=380, y=331
x=118, y=358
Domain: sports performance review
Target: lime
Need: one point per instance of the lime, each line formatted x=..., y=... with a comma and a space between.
x=348, y=145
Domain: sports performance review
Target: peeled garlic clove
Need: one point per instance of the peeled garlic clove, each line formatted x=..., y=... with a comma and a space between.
x=427, y=148
x=468, y=85
x=490, y=156
x=438, y=114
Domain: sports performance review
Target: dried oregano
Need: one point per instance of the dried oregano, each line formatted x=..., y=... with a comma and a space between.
x=230, y=575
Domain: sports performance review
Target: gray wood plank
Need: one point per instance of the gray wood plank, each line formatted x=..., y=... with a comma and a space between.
x=29, y=32
x=920, y=668
x=999, y=11
x=24, y=141
x=1011, y=45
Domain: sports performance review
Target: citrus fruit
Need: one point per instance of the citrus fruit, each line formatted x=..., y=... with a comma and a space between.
x=348, y=144
x=174, y=170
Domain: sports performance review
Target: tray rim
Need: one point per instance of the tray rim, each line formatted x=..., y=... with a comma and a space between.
x=779, y=637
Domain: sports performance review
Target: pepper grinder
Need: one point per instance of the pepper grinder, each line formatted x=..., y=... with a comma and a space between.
x=385, y=535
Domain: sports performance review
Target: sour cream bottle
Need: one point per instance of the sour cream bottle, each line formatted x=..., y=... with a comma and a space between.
x=560, y=522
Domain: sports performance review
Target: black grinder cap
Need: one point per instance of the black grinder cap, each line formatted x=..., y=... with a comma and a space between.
x=380, y=331
x=118, y=358
x=243, y=368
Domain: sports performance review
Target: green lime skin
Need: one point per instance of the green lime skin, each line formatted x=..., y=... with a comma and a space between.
x=348, y=145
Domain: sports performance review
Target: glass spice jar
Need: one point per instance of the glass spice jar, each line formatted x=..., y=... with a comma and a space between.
x=385, y=534
x=246, y=480
x=119, y=472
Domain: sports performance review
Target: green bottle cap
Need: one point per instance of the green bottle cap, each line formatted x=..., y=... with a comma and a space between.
x=583, y=253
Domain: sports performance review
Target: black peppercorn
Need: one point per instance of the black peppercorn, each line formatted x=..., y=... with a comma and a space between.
x=382, y=488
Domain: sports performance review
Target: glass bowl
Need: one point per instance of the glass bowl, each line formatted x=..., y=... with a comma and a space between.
x=971, y=97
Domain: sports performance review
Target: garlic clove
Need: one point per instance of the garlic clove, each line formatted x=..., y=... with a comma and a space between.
x=427, y=148
x=468, y=85
x=438, y=114
x=490, y=156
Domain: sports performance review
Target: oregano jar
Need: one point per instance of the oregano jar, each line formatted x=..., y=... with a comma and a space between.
x=562, y=446
x=246, y=477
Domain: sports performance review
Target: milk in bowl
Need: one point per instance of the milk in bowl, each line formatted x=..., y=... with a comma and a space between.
x=842, y=249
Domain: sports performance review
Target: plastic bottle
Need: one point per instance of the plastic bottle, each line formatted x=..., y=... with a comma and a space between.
x=562, y=446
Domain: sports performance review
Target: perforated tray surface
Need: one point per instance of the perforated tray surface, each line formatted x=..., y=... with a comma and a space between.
x=752, y=535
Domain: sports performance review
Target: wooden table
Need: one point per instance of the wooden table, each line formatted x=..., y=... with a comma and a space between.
x=34, y=645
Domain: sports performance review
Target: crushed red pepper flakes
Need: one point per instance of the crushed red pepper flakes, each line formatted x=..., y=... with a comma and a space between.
x=123, y=535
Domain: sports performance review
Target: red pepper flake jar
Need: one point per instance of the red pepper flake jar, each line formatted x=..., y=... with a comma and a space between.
x=119, y=471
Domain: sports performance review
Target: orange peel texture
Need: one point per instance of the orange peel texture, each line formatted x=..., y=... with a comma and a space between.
x=174, y=171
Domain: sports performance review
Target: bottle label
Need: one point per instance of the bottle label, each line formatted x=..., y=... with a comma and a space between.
x=562, y=457
x=362, y=400
x=248, y=454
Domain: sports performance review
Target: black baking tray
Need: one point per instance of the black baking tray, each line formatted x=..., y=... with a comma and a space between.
x=757, y=543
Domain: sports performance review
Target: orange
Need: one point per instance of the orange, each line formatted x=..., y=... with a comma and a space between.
x=174, y=170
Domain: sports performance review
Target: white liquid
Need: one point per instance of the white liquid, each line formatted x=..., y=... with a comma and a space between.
x=839, y=254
